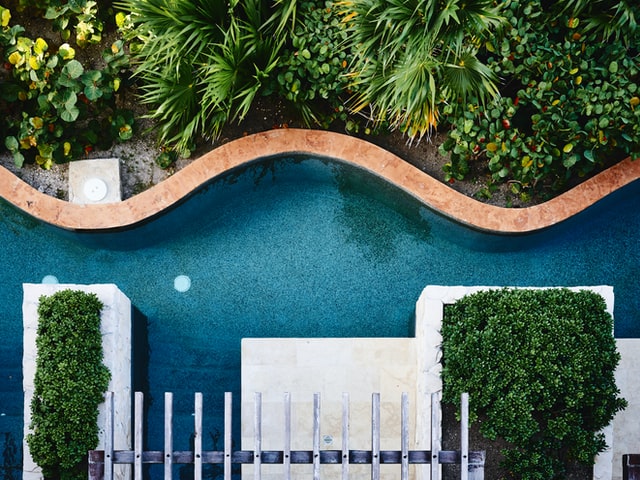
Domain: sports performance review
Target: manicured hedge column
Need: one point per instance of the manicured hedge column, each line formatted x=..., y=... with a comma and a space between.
x=539, y=367
x=69, y=384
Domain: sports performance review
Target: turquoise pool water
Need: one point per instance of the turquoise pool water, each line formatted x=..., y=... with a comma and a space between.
x=294, y=248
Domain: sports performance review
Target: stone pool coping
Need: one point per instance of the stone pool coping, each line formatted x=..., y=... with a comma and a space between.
x=432, y=192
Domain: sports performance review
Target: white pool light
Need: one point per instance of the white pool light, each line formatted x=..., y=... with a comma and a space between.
x=50, y=279
x=95, y=189
x=182, y=283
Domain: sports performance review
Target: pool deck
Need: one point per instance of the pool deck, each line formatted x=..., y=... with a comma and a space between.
x=432, y=192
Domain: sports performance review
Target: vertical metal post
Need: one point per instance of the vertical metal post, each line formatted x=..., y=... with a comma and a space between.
x=197, y=438
x=375, y=436
x=108, y=440
x=316, y=436
x=345, y=436
x=435, y=437
x=257, y=450
x=464, y=436
x=404, y=434
x=137, y=436
x=287, y=437
x=228, y=439
x=168, y=435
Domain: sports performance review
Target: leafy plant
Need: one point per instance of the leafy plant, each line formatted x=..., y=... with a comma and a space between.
x=539, y=366
x=81, y=13
x=166, y=159
x=617, y=18
x=312, y=70
x=69, y=384
x=56, y=108
x=568, y=104
x=201, y=63
x=413, y=57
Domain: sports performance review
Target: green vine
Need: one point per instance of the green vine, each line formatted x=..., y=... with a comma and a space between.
x=70, y=381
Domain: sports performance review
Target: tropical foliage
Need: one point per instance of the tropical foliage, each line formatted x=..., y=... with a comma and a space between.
x=55, y=107
x=539, y=367
x=569, y=98
x=201, y=62
x=311, y=72
x=414, y=57
x=534, y=93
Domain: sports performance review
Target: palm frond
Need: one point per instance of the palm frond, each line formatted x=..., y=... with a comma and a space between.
x=283, y=18
x=468, y=75
x=413, y=55
x=617, y=18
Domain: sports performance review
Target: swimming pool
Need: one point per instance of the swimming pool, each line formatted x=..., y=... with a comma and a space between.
x=291, y=247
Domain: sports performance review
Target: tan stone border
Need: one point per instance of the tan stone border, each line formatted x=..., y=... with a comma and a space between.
x=358, y=152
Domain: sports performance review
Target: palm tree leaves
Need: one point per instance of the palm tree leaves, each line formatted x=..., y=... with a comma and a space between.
x=415, y=55
x=201, y=63
x=617, y=18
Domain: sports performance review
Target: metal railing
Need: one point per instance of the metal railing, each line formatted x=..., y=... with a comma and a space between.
x=101, y=462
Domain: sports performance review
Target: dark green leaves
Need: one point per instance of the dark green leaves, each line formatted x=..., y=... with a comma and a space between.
x=539, y=366
x=69, y=384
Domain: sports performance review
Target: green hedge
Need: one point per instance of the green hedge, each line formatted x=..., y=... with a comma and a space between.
x=539, y=367
x=70, y=381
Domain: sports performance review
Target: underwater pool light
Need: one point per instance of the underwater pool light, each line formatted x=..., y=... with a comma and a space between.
x=182, y=283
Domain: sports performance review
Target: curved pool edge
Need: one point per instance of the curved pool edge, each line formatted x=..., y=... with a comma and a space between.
x=361, y=153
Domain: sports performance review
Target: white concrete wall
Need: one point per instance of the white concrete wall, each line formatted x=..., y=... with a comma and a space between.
x=116, y=343
x=626, y=424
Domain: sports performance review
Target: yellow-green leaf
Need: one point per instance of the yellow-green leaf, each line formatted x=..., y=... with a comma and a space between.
x=5, y=16
x=33, y=63
x=36, y=122
x=492, y=147
x=120, y=19
x=15, y=58
x=573, y=71
x=567, y=148
x=40, y=46
x=66, y=51
x=526, y=161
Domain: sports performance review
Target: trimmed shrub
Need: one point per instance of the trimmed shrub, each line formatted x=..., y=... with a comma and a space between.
x=539, y=367
x=70, y=381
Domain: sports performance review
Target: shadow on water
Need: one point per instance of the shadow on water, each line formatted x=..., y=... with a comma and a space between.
x=141, y=351
x=11, y=457
x=362, y=194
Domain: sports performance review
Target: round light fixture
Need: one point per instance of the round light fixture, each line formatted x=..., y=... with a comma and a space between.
x=95, y=189
x=182, y=283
